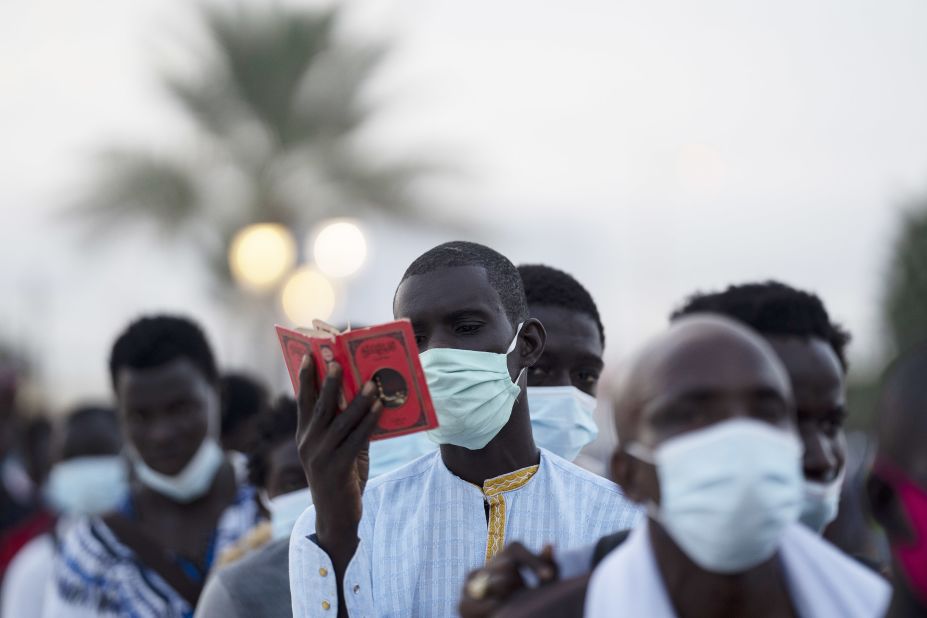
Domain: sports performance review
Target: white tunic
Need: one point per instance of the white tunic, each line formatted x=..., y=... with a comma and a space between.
x=822, y=581
x=423, y=529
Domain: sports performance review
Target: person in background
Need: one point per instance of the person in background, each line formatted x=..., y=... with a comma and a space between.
x=244, y=400
x=258, y=584
x=152, y=555
x=402, y=544
x=22, y=515
x=562, y=383
x=897, y=485
x=710, y=445
x=89, y=478
x=813, y=351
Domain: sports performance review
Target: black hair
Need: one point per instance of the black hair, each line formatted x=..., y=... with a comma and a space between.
x=274, y=428
x=545, y=285
x=772, y=308
x=153, y=341
x=502, y=274
x=241, y=397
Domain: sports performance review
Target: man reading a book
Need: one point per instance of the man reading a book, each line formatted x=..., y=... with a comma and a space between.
x=402, y=544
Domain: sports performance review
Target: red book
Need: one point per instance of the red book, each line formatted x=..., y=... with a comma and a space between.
x=385, y=354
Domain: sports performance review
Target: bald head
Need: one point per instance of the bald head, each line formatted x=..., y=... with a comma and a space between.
x=902, y=411
x=702, y=370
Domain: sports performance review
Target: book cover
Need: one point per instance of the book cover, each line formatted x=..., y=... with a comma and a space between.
x=385, y=354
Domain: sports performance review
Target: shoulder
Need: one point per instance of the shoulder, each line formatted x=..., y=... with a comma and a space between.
x=91, y=541
x=271, y=557
x=809, y=556
x=412, y=472
x=571, y=475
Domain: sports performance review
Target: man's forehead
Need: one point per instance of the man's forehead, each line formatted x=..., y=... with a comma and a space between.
x=568, y=330
x=444, y=291
x=704, y=366
x=160, y=382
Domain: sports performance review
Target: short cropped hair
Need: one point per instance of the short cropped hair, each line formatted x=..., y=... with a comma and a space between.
x=274, y=428
x=154, y=341
x=502, y=274
x=548, y=286
x=773, y=308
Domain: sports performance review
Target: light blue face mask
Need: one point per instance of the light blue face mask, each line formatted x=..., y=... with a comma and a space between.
x=727, y=491
x=387, y=455
x=472, y=392
x=190, y=483
x=562, y=419
x=284, y=510
x=87, y=485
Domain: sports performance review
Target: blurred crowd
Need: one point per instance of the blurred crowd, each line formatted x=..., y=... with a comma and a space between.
x=709, y=475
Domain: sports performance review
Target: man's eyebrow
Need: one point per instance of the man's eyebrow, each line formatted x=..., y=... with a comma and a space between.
x=468, y=312
x=590, y=359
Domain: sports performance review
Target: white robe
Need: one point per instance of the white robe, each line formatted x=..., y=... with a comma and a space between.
x=823, y=582
x=423, y=529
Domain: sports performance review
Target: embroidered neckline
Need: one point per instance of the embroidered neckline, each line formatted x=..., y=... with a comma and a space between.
x=493, y=490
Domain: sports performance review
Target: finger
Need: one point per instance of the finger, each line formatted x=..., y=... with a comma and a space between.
x=307, y=395
x=345, y=422
x=327, y=404
x=358, y=440
x=542, y=566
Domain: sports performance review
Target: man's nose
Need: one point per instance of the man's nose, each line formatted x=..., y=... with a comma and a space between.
x=819, y=463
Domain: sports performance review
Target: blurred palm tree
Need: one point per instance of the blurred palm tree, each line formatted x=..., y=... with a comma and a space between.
x=277, y=105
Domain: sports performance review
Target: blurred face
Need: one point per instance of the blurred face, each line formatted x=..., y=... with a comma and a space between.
x=820, y=401
x=696, y=387
x=166, y=411
x=573, y=350
x=94, y=438
x=285, y=472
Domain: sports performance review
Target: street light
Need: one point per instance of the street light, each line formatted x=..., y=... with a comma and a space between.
x=261, y=254
x=340, y=248
x=307, y=294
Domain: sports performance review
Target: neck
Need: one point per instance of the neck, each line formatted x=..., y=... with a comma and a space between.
x=512, y=449
x=697, y=592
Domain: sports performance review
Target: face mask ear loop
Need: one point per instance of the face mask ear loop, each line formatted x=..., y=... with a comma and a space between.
x=511, y=349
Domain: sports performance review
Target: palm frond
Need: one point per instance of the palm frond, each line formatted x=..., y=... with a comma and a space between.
x=133, y=185
x=266, y=54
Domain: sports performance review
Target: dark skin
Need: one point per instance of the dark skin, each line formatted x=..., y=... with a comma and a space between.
x=284, y=470
x=166, y=412
x=572, y=352
x=820, y=402
x=818, y=388
x=572, y=357
x=902, y=428
x=91, y=438
x=449, y=308
x=244, y=437
x=704, y=371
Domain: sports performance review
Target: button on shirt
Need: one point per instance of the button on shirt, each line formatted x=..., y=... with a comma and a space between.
x=423, y=529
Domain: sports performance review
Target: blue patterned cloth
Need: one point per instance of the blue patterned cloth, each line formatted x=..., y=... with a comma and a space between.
x=96, y=575
x=423, y=529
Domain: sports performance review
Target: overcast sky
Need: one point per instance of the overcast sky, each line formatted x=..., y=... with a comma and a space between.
x=649, y=148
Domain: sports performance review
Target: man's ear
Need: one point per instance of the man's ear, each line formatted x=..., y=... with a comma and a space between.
x=531, y=342
x=622, y=473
